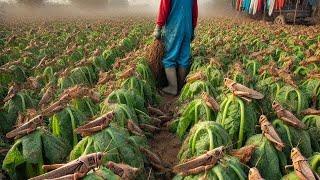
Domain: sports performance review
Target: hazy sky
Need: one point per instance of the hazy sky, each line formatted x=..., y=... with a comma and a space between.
x=66, y=1
x=151, y=2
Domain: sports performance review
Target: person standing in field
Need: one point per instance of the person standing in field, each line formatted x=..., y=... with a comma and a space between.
x=176, y=23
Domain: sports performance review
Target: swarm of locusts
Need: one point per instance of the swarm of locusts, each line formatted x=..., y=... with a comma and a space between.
x=78, y=100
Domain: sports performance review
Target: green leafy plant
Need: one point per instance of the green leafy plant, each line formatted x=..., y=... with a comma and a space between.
x=130, y=98
x=293, y=137
x=204, y=136
x=266, y=158
x=191, y=90
x=293, y=99
x=194, y=112
x=238, y=118
x=29, y=153
x=313, y=124
x=116, y=142
x=64, y=123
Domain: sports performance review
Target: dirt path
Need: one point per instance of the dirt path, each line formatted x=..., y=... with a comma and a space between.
x=165, y=143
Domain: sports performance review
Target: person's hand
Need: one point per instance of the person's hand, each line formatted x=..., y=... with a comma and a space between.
x=157, y=32
x=193, y=35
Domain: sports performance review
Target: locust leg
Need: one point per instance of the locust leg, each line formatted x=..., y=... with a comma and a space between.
x=165, y=118
x=126, y=172
x=316, y=175
x=279, y=145
x=89, y=131
x=149, y=128
x=287, y=167
x=290, y=121
x=75, y=176
x=210, y=158
x=52, y=167
x=241, y=93
x=153, y=159
x=243, y=154
x=22, y=132
x=246, y=99
x=156, y=111
x=197, y=170
x=95, y=97
x=134, y=128
x=156, y=121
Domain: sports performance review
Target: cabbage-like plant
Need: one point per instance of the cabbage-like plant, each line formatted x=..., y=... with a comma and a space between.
x=206, y=79
x=118, y=144
x=128, y=97
x=22, y=101
x=214, y=76
x=86, y=106
x=269, y=87
x=145, y=73
x=266, y=158
x=78, y=76
x=124, y=113
x=204, y=136
x=64, y=123
x=238, y=74
x=293, y=137
x=253, y=66
x=191, y=90
x=29, y=153
x=197, y=63
x=141, y=87
x=312, y=87
x=315, y=162
x=238, y=118
x=313, y=124
x=195, y=111
x=293, y=99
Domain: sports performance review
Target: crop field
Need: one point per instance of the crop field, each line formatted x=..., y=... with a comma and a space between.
x=78, y=100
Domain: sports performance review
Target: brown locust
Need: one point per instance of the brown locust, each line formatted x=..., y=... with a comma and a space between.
x=73, y=170
x=270, y=133
x=287, y=116
x=26, y=128
x=96, y=125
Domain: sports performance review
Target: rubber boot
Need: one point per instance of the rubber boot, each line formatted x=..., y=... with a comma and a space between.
x=182, y=74
x=171, y=74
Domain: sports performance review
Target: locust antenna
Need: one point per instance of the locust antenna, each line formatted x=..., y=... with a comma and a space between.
x=231, y=145
x=257, y=163
x=106, y=150
x=149, y=175
x=300, y=140
x=245, y=165
x=261, y=110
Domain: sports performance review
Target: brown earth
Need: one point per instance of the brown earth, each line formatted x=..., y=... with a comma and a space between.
x=167, y=146
x=165, y=143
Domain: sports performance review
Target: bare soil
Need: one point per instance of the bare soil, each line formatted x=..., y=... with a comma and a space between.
x=167, y=146
x=165, y=143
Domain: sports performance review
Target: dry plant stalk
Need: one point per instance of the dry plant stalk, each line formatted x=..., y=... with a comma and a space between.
x=155, y=55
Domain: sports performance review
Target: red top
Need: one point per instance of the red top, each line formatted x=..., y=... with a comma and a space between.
x=165, y=8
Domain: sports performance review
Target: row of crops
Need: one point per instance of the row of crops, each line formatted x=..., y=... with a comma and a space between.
x=78, y=92
x=249, y=107
x=78, y=96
